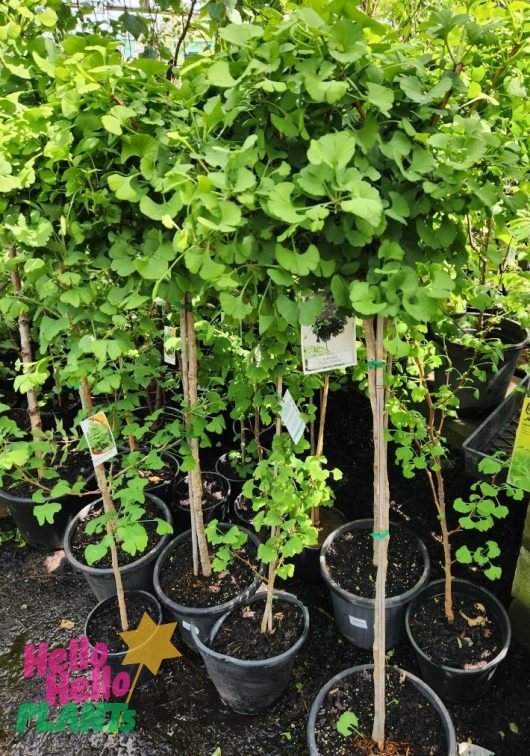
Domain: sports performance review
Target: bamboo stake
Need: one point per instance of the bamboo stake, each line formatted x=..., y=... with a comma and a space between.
x=108, y=506
x=185, y=393
x=27, y=358
x=196, y=476
x=266, y=621
x=381, y=534
x=315, y=512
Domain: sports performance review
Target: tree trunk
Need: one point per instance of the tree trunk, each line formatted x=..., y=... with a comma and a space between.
x=315, y=512
x=196, y=476
x=376, y=356
x=27, y=359
x=185, y=394
x=108, y=506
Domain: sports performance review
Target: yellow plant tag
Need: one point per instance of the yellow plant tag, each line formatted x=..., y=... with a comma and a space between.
x=519, y=473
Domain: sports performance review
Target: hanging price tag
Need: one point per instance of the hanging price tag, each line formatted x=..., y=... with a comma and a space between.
x=291, y=417
x=170, y=332
x=99, y=437
x=519, y=473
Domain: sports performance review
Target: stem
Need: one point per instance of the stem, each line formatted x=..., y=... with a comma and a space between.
x=180, y=41
x=259, y=448
x=27, y=359
x=202, y=543
x=108, y=506
x=315, y=512
x=185, y=392
x=378, y=396
x=312, y=428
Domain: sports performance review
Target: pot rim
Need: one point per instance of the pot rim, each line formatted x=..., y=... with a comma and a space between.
x=436, y=702
x=125, y=568
x=217, y=503
x=135, y=591
x=525, y=332
x=390, y=601
x=255, y=663
x=483, y=593
x=195, y=611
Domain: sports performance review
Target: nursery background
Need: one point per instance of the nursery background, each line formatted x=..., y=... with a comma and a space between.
x=264, y=377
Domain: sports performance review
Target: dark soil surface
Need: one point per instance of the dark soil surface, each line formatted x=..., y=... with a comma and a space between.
x=330, y=519
x=350, y=563
x=213, y=491
x=77, y=466
x=413, y=727
x=470, y=643
x=240, y=635
x=179, y=713
x=105, y=626
x=224, y=467
x=180, y=584
x=80, y=540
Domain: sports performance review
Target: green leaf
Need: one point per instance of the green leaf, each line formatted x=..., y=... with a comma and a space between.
x=94, y=552
x=163, y=527
x=381, y=97
x=123, y=187
x=493, y=573
x=367, y=204
x=347, y=723
x=287, y=309
x=46, y=512
x=111, y=124
x=240, y=34
x=266, y=553
x=365, y=298
x=219, y=74
x=281, y=206
x=335, y=150
x=330, y=91
x=151, y=268
x=463, y=555
x=309, y=310
x=489, y=466
x=299, y=263
x=157, y=211
x=235, y=307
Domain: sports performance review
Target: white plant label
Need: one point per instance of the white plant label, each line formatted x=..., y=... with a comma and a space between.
x=358, y=622
x=328, y=344
x=99, y=437
x=470, y=749
x=291, y=417
x=170, y=332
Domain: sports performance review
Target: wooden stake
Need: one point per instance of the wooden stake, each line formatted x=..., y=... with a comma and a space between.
x=315, y=512
x=186, y=396
x=27, y=359
x=202, y=543
x=108, y=506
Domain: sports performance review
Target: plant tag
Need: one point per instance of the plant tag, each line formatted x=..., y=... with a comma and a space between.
x=470, y=749
x=519, y=473
x=358, y=622
x=291, y=417
x=99, y=438
x=328, y=344
x=170, y=332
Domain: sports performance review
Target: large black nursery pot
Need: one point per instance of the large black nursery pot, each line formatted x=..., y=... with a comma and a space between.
x=307, y=563
x=115, y=659
x=65, y=412
x=217, y=511
x=354, y=614
x=429, y=695
x=492, y=392
x=452, y=683
x=244, y=515
x=137, y=575
x=164, y=490
x=250, y=686
x=223, y=467
x=204, y=618
x=46, y=537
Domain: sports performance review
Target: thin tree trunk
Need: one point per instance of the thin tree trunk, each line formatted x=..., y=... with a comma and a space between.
x=266, y=620
x=27, y=358
x=202, y=543
x=369, y=336
x=376, y=355
x=315, y=512
x=312, y=440
x=448, y=590
x=108, y=506
x=257, y=433
x=243, y=442
x=186, y=396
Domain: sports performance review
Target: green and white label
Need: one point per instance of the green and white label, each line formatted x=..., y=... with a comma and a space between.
x=519, y=473
x=291, y=417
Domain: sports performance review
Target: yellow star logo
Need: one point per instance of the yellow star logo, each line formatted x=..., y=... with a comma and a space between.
x=150, y=644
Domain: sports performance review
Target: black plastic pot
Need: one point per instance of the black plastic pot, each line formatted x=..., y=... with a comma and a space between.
x=250, y=686
x=165, y=489
x=429, y=695
x=203, y=617
x=115, y=660
x=244, y=517
x=236, y=483
x=66, y=412
x=167, y=416
x=46, y=537
x=137, y=575
x=451, y=683
x=217, y=511
x=493, y=390
x=307, y=564
x=354, y=615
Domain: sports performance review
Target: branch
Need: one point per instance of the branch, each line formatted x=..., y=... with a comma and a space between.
x=180, y=41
